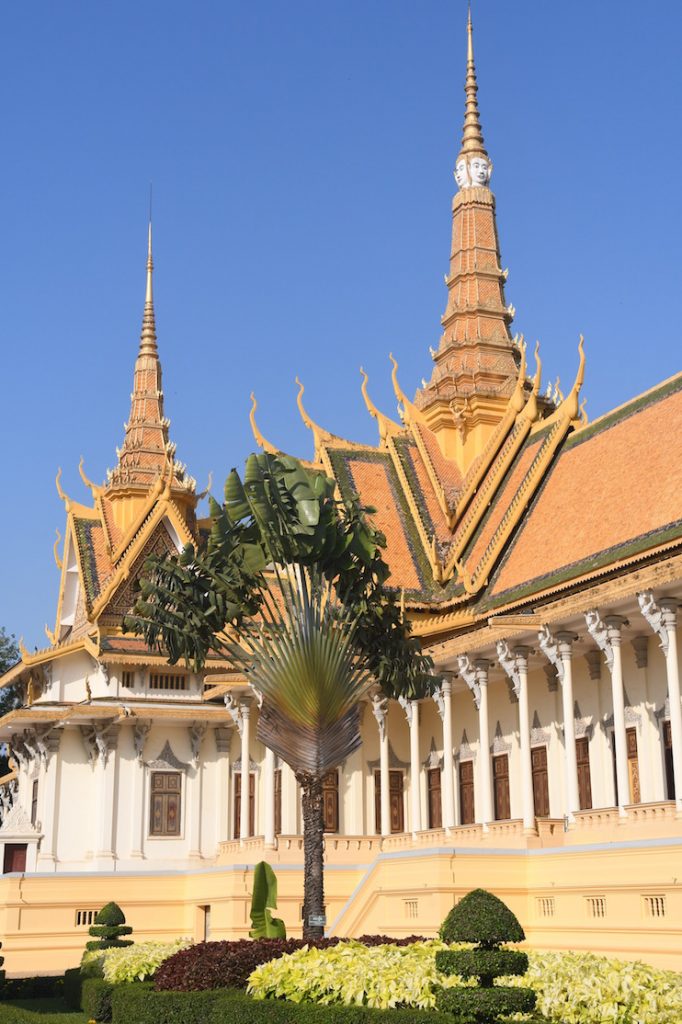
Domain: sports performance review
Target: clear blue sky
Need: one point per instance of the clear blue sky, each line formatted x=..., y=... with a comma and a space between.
x=302, y=158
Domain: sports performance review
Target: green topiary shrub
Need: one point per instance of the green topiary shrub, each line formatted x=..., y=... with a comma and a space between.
x=108, y=928
x=484, y=919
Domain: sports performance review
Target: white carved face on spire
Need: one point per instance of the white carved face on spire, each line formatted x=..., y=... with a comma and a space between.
x=462, y=173
x=479, y=170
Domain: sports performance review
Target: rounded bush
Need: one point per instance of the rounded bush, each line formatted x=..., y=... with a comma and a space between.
x=480, y=1005
x=482, y=918
x=485, y=964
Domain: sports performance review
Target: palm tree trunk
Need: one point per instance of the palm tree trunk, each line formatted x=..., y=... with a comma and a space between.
x=313, y=856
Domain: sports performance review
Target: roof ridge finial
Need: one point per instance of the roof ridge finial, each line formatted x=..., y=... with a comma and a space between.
x=148, y=335
x=472, y=134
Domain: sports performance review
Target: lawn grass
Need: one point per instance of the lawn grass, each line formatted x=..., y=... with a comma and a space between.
x=38, y=1011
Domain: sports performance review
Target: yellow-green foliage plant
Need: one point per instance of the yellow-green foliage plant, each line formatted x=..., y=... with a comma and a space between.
x=571, y=988
x=134, y=963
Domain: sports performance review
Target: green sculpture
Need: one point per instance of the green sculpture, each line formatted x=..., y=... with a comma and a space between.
x=263, y=900
x=484, y=919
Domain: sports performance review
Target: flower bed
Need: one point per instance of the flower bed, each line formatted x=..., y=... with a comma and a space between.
x=572, y=988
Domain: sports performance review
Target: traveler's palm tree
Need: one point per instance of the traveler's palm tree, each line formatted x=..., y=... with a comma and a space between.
x=290, y=587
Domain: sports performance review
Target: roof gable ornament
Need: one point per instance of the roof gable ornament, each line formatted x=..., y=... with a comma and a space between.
x=387, y=427
x=261, y=441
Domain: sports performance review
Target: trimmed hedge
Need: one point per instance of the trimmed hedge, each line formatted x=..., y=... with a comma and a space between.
x=73, y=982
x=96, y=999
x=480, y=1005
x=38, y=1011
x=485, y=964
x=42, y=987
x=143, y=1005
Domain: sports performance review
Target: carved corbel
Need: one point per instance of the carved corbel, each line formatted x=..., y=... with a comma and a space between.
x=141, y=730
x=606, y=635
x=594, y=664
x=222, y=738
x=236, y=712
x=661, y=618
x=380, y=711
x=640, y=645
x=470, y=675
x=407, y=707
x=549, y=646
x=197, y=731
x=100, y=740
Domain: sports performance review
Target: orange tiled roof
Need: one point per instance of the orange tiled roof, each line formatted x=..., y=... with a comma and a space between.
x=615, y=488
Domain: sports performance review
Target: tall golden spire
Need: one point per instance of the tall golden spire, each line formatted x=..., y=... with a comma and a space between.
x=148, y=335
x=472, y=135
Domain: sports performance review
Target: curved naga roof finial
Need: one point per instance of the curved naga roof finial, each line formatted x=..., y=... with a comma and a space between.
x=209, y=485
x=261, y=441
x=538, y=369
x=387, y=427
x=569, y=408
x=58, y=560
x=410, y=413
x=88, y=483
x=60, y=490
x=320, y=435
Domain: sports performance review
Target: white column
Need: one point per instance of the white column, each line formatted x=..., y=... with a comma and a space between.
x=411, y=709
x=223, y=736
x=105, y=771
x=140, y=815
x=476, y=678
x=481, y=666
x=196, y=731
x=565, y=641
x=443, y=700
x=607, y=635
x=245, y=713
x=269, y=799
x=669, y=615
x=663, y=620
x=380, y=712
x=515, y=664
x=49, y=816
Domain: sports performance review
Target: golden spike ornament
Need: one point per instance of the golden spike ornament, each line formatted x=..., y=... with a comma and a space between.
x=538, y=369
x=472, y=134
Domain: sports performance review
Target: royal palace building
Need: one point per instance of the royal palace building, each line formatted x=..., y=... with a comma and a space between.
x=539, y=558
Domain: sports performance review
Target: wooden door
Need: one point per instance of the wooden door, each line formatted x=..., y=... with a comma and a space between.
x=238, y=804
x=538, y=760
x=633, y=765
x=395, y=796
x=668, y=754
x=582, y=756
x=330, y=801
x=15, y=857
x=466, y=793
x=501, y=787
x=435, y=803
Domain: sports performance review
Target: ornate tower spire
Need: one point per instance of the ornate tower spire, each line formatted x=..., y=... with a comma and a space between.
x=476, y=361
x=148, y=335
x=472, y=134
x=147, y=454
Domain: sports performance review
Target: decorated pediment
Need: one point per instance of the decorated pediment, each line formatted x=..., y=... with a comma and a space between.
x=167, y=761
x=17, y=824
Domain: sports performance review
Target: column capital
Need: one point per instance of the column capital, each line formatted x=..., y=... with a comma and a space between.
x=564, y=639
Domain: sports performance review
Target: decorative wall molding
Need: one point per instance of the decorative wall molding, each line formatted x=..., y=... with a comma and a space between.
x=434, y=759
x=539, y=737
x=16, y=825
x=393, y=761
x=499, y=745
